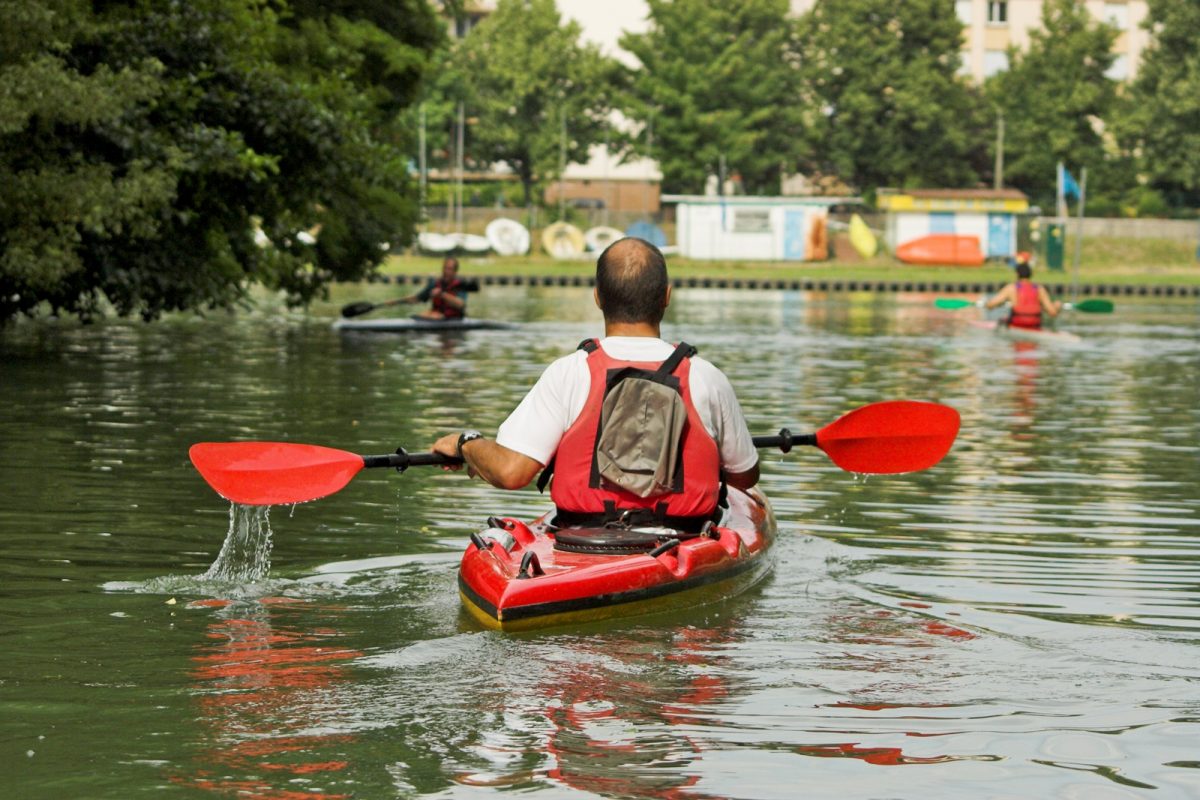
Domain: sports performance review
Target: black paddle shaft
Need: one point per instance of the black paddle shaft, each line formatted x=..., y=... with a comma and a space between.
x=785, y=440
x=402, y=460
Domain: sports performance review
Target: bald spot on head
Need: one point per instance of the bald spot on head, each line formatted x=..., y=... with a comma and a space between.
x=631, y=281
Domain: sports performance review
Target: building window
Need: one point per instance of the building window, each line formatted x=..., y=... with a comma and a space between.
x=962, y=8
x=994, y=61
x=1117, y=15
x=997, y=12
x=1119, y=70
x=747, y=220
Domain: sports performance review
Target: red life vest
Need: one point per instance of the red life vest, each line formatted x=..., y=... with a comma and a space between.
x=577, y=490
x=439, y=302
x=1027, y=310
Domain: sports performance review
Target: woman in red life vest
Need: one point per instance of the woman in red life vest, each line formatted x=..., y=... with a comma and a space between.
x=447, y=294
x=1028, y=300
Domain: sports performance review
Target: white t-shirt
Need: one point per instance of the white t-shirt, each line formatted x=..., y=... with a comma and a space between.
x=537, y=425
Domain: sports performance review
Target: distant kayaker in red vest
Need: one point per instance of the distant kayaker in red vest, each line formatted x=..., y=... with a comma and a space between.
x=559, y=420
x=447, y=294
x=1029, y=301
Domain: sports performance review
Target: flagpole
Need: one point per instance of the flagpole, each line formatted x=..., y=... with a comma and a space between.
x=1059, y=202
x=1079, y=237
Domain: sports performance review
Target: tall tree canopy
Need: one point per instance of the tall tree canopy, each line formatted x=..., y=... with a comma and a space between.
x=718, y=80
x=884, y=100
x=142, y=143
x=1162, y=121
x=1056, y=98
x=521, y=74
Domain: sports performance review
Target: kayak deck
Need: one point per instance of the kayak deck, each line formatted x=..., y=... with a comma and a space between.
x=419, y=325
x=519, y=579
x=1028, y=334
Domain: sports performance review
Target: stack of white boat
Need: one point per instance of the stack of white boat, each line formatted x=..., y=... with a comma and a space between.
x=507, y=237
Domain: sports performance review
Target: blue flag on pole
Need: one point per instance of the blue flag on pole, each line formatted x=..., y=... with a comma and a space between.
x=1069, y=187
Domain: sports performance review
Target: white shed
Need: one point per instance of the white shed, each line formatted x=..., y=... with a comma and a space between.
x=753, y=228
x=990, y=215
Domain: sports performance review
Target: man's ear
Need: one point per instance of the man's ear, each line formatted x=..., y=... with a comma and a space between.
x=667, y=297
x=596, y=297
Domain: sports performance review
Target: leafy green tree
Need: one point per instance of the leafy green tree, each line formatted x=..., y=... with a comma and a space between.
x=142, y=144
x=1161, y=122
x=883, y=97
x=520, y=75
x=718, y=80
x=1056, y=99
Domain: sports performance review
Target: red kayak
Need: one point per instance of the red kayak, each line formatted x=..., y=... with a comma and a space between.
x=518, y=576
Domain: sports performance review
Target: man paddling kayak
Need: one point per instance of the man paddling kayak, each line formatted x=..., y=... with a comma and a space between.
x=447, y=294
x=1029, y=301
x=561, y=421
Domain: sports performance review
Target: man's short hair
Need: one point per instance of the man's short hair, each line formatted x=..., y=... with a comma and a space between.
x=1024, y=271
x=631, y=281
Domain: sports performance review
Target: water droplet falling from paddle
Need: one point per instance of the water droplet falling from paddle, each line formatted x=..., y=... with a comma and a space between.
x=246, y=552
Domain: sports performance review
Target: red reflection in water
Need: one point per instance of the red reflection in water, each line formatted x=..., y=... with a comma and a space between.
x=883, y=626
x=880, y=756
x=1026, y=363
x=254, y=684
x=622, y=747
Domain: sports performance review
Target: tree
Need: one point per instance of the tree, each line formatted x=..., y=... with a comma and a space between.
x=1055, y=98
x=142, y=144
x=718, y=82
x=1161, y=123
x=522, y=77
x=884, y=101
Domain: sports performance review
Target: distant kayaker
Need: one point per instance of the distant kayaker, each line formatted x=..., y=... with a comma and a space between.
x=559, y=422
x=447, y=294
x=1029, y=301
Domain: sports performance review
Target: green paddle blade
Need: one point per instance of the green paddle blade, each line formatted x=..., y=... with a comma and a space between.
x=1093, y=306
x=953, y=302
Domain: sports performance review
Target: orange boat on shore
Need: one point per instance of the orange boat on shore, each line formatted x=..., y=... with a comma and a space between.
x=942, y=248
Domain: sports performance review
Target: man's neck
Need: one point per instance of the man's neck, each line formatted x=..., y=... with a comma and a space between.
x=637, y=329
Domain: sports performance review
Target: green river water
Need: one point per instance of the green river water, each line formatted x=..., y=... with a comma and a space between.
x=1020, y=621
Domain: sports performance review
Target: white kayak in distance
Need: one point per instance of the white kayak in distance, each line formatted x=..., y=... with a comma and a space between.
x=418, y=324
x=508, y=237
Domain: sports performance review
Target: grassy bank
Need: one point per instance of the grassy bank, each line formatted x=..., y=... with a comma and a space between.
x=1144, y=262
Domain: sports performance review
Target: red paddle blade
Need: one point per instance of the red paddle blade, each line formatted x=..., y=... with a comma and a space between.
x=273, y=473
x=889, y=437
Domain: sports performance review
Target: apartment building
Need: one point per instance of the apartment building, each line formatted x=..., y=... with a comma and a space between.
x=992, y=26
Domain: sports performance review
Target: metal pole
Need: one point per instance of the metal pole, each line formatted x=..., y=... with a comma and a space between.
x=562, y=163
x=423, y=167
x=650, y=166
x=604, y=212
x=458, y=215
x=1079, y=237
x=721, y=187
x=998, y=178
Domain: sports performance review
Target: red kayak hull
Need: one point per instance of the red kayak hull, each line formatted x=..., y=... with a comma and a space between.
x=942, y=249
x=562, y=588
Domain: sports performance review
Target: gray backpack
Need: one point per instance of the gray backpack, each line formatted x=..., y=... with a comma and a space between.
x=641, y=429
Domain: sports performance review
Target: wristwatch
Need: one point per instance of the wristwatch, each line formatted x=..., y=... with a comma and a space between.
x=467, y=436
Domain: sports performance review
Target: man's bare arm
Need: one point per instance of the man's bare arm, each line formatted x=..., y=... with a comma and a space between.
x=495, y=463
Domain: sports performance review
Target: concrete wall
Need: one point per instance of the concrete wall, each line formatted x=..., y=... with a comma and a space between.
x=1184, y=230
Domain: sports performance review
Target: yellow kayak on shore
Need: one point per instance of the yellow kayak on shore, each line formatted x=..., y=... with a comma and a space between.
x=861, y=238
